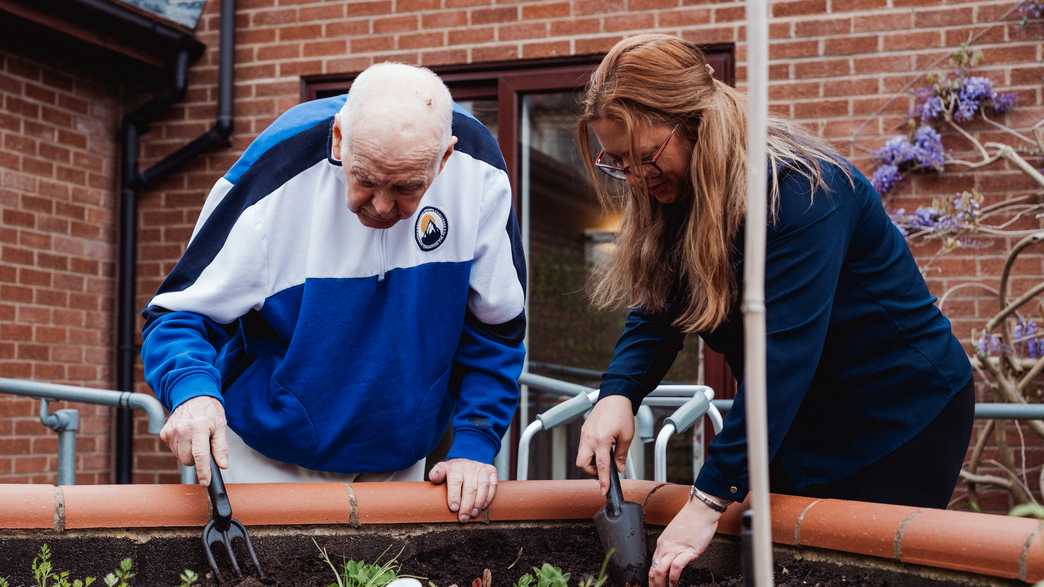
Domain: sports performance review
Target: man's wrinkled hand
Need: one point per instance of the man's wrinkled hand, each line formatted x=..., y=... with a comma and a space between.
x=470, y=486
x=194, y=431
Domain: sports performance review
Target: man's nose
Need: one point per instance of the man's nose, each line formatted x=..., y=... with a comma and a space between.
x=382, y=204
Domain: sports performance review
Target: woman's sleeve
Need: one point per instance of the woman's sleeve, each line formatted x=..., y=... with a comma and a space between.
x=643, y=355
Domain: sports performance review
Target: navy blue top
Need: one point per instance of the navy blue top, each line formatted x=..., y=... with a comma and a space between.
x=859, y=357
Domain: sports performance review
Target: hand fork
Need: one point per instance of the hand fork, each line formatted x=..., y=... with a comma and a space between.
x=222, y=528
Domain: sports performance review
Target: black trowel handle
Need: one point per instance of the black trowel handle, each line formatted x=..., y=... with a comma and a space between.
x=614, y=497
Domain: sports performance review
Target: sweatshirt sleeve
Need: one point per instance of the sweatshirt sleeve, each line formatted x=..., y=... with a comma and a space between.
x=220, y=277
x=490, y=354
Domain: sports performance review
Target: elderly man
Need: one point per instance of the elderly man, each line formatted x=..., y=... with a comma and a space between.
x=354, y=285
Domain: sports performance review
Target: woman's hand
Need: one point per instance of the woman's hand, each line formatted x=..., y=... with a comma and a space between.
x=611, y=422
x=681, y=542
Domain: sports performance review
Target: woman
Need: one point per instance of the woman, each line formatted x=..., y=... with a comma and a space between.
x=869, y=393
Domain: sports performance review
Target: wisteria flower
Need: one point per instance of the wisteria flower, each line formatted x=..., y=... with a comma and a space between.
x=885, y=178
x=988, y=344
x=1003, y=103
x=1027, y=338
x=928, y=149
x=932, y=108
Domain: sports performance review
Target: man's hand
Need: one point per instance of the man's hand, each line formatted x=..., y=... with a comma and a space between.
x=196, y=430
x=611, y=422
x=681, y=542
x=470, y=486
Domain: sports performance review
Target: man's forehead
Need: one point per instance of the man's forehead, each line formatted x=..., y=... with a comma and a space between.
x=390, y=168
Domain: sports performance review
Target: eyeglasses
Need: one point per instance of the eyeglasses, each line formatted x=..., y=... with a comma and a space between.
x=615, y=169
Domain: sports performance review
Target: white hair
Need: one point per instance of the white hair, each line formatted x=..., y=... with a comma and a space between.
x=415, y=89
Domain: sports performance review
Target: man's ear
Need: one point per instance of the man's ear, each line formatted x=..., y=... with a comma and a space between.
x=447, y=154
x=338, y=138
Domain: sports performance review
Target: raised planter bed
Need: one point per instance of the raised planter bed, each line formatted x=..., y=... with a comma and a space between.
x=828, y=542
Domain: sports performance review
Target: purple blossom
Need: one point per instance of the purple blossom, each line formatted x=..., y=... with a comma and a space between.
x=988, y=343
x=885, y=178
x=1026, y=331
x=966, y=110
x=1003, y=103
x=952, y=217
x=896, y=151
x=1031, y=9
x=931, y=109
x=928, y=149
x=976, y=88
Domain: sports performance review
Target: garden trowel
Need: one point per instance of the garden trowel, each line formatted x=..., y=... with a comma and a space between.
x=621, y=527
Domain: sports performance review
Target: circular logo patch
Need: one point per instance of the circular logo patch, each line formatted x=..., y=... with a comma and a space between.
x=430, y=229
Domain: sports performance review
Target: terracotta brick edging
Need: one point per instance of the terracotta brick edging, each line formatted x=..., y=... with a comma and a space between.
x=986, y=544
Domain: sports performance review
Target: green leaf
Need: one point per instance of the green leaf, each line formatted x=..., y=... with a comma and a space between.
x=1028, y=510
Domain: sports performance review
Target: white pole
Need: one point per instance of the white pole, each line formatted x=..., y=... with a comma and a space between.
x=754, y=286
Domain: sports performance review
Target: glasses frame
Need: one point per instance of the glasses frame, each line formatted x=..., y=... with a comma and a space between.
x=622, y=173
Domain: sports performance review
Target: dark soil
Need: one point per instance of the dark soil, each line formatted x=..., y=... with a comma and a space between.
x=443, y=554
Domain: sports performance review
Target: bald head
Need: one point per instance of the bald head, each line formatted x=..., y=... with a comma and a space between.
x=393, y=136
x=397, y=103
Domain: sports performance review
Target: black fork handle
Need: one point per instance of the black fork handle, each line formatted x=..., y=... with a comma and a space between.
x=614, y=497
x=219, y=497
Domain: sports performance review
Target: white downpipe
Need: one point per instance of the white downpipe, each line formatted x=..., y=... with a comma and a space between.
x=754, y=286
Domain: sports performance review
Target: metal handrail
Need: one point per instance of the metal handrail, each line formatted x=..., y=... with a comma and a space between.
x=676, y=396
x=983, y=410
x=691, y=412
x=66, y=422
x=87, y=395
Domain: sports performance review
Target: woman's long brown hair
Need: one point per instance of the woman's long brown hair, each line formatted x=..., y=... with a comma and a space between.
x=658, y=79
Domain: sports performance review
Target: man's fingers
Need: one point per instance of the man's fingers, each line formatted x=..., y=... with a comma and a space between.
x=201, y=453
x=481, y=493
x=678, y=565
x=469, y=492
x=182, y=449
x=453, y=482
x=492, y=489
x=437, y=474
x=219, y=445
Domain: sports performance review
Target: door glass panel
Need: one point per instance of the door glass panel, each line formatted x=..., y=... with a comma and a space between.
x=484, y=109
x=568, y=232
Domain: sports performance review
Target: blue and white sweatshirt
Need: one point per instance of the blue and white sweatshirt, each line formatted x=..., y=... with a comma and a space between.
x=335, y=346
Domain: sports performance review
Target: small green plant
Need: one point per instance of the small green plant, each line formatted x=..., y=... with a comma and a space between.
x=121, y=576
x=355, y=573
x=44, y=573
x=4, y=583
x=602, y=578
x=546, y=575
x=1028, y=510
x=188, y=578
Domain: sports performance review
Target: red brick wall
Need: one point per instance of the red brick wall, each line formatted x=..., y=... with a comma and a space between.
x=835, y=63
x=57, y=202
